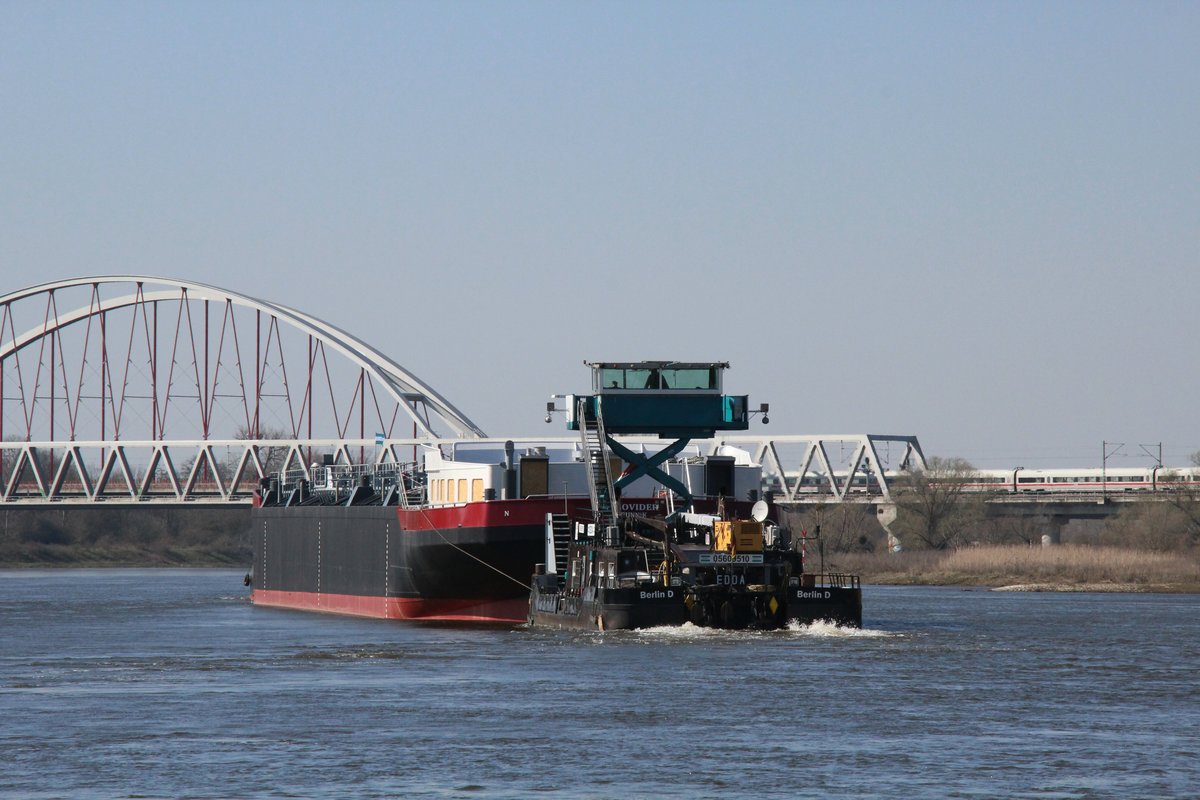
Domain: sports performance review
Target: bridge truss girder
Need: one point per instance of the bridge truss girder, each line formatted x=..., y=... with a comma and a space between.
x=817, y=477
x=229, y=470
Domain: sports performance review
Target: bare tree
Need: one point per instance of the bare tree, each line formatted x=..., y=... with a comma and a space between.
x=844, y=527
x=9, y=459
x=272, y=458
x=1163, y=527
x=1017, y=528
x=1183, y=497
x=933, y=509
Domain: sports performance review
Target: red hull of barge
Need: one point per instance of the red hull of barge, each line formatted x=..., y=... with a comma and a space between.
x=509, y=611
x=469, y=563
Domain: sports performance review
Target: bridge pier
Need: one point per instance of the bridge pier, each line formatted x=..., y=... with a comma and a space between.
x=1048, y=516
x=1054, y=528
x=886, y=514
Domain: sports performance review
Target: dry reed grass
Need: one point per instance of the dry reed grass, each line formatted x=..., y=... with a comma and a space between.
x=1061, y=566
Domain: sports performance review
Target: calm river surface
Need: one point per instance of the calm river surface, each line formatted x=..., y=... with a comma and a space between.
x=168, y=683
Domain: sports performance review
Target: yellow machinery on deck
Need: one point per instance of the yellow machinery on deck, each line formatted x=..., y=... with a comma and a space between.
x=737, y=536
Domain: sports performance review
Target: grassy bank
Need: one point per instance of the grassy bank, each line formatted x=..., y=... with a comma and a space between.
x=1061, y=568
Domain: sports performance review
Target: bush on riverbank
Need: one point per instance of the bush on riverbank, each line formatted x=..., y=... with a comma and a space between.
x=1060, y=566
x=124, y=536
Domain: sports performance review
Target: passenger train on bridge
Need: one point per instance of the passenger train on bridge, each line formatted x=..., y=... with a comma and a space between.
x=1117, y=479
x=1022, y=480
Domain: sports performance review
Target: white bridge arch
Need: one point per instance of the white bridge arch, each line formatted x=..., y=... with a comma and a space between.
x=404, y=387
x=135, y=386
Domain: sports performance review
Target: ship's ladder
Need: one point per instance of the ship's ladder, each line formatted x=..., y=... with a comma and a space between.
x=654, y=559
x=595, y=451
x=558, y=542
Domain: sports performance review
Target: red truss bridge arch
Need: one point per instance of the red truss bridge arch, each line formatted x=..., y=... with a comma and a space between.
x=136, y=387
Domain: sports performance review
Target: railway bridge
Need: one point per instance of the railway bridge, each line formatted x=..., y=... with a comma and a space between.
x=140, y=390
x=128, y=389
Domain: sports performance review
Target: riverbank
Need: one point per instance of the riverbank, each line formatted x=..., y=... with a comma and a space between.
x=125, y=557
x=121, y=536
x=1020, y=568
x=219, y=538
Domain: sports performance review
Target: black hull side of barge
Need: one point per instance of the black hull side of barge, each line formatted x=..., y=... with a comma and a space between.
x=363, y=551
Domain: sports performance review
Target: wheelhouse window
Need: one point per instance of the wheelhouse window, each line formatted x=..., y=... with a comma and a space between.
x=690, y=378
x=612, y=378
x=657, y=377
x=642, y=379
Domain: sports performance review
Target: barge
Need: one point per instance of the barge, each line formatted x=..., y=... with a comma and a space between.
x=455, y=534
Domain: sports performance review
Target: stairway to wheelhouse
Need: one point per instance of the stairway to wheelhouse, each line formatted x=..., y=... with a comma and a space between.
x=561, y=532
x=600, y=486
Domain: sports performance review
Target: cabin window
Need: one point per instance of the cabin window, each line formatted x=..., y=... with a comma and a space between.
x=612, y=378
x=476, y=489
x=689, y=378
x=462, y=490
x=654, y=378
x=641, y=379
x=631, y=563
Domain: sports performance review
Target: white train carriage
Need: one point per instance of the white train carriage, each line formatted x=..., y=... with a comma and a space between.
x=1021, y=479
x=1091, y=480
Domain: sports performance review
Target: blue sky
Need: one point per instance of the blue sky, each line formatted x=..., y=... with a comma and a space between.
x=977, y=223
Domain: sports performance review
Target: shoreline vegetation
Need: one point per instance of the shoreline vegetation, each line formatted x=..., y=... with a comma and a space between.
x=219, y=537
x=1058, y=568
x=955, y=533
x=125, y=537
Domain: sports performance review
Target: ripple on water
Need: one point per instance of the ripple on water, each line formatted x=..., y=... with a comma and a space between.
x=950, y=694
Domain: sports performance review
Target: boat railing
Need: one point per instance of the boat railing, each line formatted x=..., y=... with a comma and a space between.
x=829, y=580
x=291, y=478
x=839, y=580
x=338, y=481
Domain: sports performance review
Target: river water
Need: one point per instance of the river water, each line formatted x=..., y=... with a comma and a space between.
x=168, y=683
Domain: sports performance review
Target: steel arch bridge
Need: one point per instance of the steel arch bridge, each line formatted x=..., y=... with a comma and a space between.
x=128, y=388
x=136, y=387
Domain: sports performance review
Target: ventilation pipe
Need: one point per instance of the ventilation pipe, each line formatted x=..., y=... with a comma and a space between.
x=509, y=491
